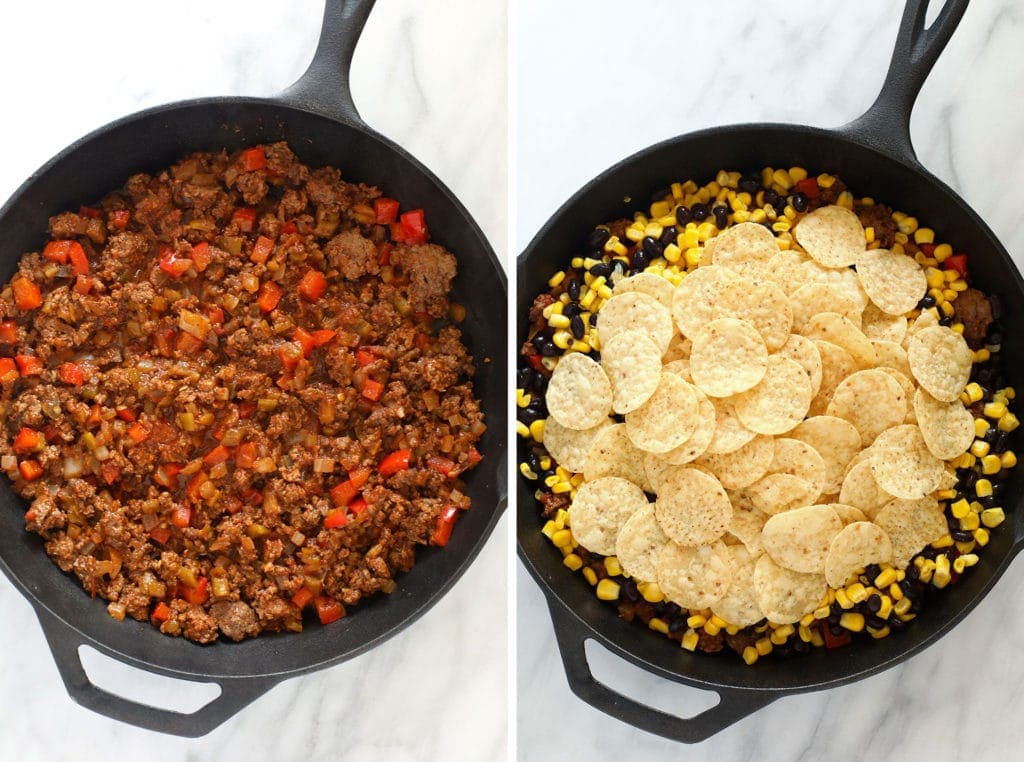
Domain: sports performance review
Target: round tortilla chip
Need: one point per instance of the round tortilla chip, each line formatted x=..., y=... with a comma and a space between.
x=911, y=525
x=570, y=447
x=804, y=353
x=784, y=595
x=844, y=279
x=926, y=319
x=739, y=604
x=883, y=326
x=599, y=510
x=835, y=440
x=831, y=235
x=940, y=361
x=678, y=349
x=871, y=400
x=764, y=306
x=862, y=491
x=786, y=270
x=632, y=362
x=742, y=467
x=908, y=392
x=730, y=433
x=836, y=364
x=797, y=458
x=681, y=368
x=834, y=328
x=858, y=545
x=728, y=356
x=799, y=539
x=947, y=427
x=820, y=296
x=692, y=507
x=777, y=493
x=701, y=437
x=648, y=283
x=613, y=454
x=635, y=311
x=667, y=419
x=694, y=578
x=848, y=513
x=895, y=283
x=779, y=401
x=744, y=244
x=639, y=545
x=902, y=464
x=889, y=354
x=747, y=522
x=695, y=297
x=579, y=395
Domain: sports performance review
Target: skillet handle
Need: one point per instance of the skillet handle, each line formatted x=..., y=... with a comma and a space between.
x=236, y=693
x=324, y=86
x=886, y=125
x=734, y=704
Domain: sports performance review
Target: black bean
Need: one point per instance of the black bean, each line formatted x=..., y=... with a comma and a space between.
x=682, y=215
x=873, y=603
x=994, y=338
x=1001, y=441
x=652, y=248
x=834, y=617
x=771, y=197
x=678, y=625
x=550, y=350
x=668, y=235
x=593, y=319
x=538, y=340
x=968, y=479
x=540, y=383
x=799, y=201
x=524, y=378
x=640, y=259
x=989, y=501
x=572, y=309
x=574, y=289
x=961, y=535
x=533, y=461
x=601, y=270
x=672, y=610
x=874, y=622
x=577, y=327
x=871, y=571
x=628, y=591
x=896, y=624
x=928, y=301
x=946, y=320
x=997, y=306
x=836, y=629
x=800, y=647
x=750, y=184
x=982, y=374
x=721, y=216
x=699, y=212
x=598, y=238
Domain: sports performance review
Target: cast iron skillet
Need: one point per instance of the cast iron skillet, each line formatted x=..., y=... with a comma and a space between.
x=874, y=156
x=318, y=118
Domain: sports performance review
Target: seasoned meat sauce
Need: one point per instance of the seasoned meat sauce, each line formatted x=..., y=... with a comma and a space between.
x=235, y=390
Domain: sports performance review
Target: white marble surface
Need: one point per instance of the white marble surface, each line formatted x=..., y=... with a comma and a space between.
x=433, y=79
x=593, y=87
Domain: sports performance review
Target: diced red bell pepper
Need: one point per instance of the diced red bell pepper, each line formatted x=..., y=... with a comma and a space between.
x=119, y=219
x=473, y=457
x=443, y=528
x=809, y=187
x=834, y=641
x=201, y=256
x=302, y=598
x=328, y=609
x=357, y=506
x=312, y=286
x=28, y=440
x=79, y=262
x=83, y=285
x=110, y=471
x=163, y=342
x=384, y=250
x=218, y=433
x=957, y=262
x=26, y=293
x=199, y=594
x=442, y=465
x=253, y=159
x=343, y=493
x=126, y=414
x=88, y=211
x=160, y=534
x=386, y=210
x=181, y=516
x=8, y=370
x=30, y=470
x=364, y=357
x=215, y=314
x=95, y=417
x=335, y=519
x=261, y=250
x=187, y=343
x=197, y=481
x=161, y=613
x=218, y=454
x=928, y=249
x=304, y=339
x=397, y=233
x=8, y=332
x=414, y=227
x=536, y=362
x=290, y=353
x=231, y=504
x=30, y=514
x=57, y=251
x=270, y=295
x=245, y=218
x=372, y=389
x=323, y=336
x=72, y=373
x=289, y=227
x=246, y=408
x=252, y=496
x=172, y=264
x=245, y=455
x=395, y=462
x=29, y=365
x=166, y=475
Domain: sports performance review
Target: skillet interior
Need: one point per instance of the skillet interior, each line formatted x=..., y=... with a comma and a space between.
x=152, y=140
x=749, y=147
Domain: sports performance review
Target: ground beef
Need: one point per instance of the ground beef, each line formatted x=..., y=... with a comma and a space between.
x=879, y=217
x=974, y=310
x=202, y=398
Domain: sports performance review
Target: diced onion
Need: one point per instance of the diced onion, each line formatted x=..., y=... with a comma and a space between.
x=322, y=466
x=72, y=467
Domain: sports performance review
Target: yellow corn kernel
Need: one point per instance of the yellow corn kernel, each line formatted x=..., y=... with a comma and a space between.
x=983, y=488
x=522, y=430
x=590, y=575
x=970, y=522
x=635, y=233
x=852, y=621
x=750, y=655
x=608, y=590
x=705, y=230
x=885, y=578
x=804, y=632
x=651, y=592
x=943, y=542
x=943, y=252
x=525, y=470
x=822, y=612
x=653, y=229
x=945, y=307
x=711, y=628
x=869, y=234
x=549, y=529
x=612, y=566
x=960, y=508
x=696, y=621
x=562, y=538
x=925, y=570
x=934, y=277
x=522, y=398
x=807, y=620
x=895, y=592
x=857, y=593
x=688, y=238
x=573, y=561
x=1008, y=459
x=826, y=181
x=658, y=625
x=693, y=257
x=537, y=430
x=878, y=634
x=964, y=562
x=789, y=212
x=781, y=177
x=561, y=488
x=763, y=646
x=781, y=226
x=672, y=253
x=556, y=279
x=981, y=427
x=907, y=225
x=994, y=409
x=941, y=577
x=924, y=235
x=902, y=607
x=886, y=608
x=843, y=600
x=660, y=208
x=561, y=518
x=957, y=328
x=690, y=640
x=981, y=536
x=558, y=320
x=982, y=355
x=993, y=517
x=1008, y=422
x=991, y=464
x=615, y=246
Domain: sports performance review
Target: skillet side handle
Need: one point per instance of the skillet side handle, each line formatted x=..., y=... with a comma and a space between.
x=236, y=693
x=324, y=86
x=886, y=125
x=734, y=704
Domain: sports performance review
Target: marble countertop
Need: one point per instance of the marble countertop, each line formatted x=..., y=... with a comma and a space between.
x=433, y=79
x=673, y=68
